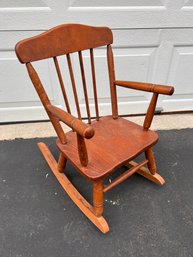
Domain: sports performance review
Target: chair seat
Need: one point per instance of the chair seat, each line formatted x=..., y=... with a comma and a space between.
x=115, y=142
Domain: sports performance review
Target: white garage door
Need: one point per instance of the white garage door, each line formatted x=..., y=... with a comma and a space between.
x=153, y=42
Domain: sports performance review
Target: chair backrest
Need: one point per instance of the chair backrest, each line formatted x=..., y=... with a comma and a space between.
x=64, y=40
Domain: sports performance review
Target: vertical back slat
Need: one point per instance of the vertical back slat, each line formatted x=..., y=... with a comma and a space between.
x=94, y=83
x=111, y=80
x=84, y=85
x=150, y=112
x=61, y=83
x=73, y=85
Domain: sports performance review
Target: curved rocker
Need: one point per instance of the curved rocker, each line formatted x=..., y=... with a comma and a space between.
x=143, y=171
x=76, y=197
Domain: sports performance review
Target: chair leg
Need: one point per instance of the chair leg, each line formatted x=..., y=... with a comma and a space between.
x=76, y=197
x=151, y=161
x=61, y=163
x=98, y=197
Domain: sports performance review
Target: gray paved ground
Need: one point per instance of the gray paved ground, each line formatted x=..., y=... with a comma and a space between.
x=37, y=219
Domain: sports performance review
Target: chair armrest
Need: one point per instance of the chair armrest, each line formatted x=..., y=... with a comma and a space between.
x=159, y=89
x=80, y=127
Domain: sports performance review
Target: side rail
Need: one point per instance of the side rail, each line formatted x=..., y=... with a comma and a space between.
x=148, y=87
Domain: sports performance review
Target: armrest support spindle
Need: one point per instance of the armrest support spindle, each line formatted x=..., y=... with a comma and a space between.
x=82, y=151
x=150, y=112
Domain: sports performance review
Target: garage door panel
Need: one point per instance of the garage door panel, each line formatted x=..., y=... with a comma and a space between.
x=188, y=4
x=132, y=14
x=120, y=14
x=26, y=15
x=177, y=47
x=138, y=65
x=153, y=42
x=181, y=72
x=136, y=38
x=181, y=76
x=18, y=99
x=17, y=87
x=123, y=3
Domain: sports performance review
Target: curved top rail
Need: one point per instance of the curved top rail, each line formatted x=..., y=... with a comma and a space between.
x=63, y=39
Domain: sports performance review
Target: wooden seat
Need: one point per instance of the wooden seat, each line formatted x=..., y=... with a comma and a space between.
x=99, y=147
x=123, y=142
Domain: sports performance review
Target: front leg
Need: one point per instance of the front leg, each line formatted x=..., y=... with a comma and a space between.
x=94, y=214
x=98, y=197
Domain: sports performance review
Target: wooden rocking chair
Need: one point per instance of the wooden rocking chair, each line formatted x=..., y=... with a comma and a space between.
x=98, y=148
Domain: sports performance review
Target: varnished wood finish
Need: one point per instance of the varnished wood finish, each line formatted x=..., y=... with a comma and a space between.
x=115, y=142
x=151, y=160
x=76, y=197
x=73, y=85
x=83, y=155
x=62, y=84
x=111, y=80
x=63, y=39
x=159, y=89
x=96, y=149
x=77, y=125
x=84, y=86
x=94, y=83
x=124, y=176
x=150, y=112
x=98, y=197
